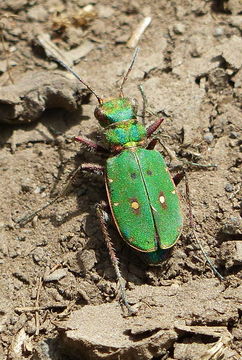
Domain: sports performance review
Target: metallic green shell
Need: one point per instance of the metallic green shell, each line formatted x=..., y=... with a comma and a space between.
x=143, y=199
x=125, y=132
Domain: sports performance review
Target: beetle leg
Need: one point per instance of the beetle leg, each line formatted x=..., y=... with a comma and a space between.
x=101, y=213
x=91, y=144
x=152, y=144
x=92, y=168
x=178, y=177
x=153, y=127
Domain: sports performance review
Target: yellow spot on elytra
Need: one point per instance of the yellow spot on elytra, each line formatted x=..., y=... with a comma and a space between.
x=116, y=204
x=110, y=180
x=135, y=205
x=173, y=191
x=162, y=199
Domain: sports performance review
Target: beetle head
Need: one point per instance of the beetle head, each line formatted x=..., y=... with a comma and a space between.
x=115, y=110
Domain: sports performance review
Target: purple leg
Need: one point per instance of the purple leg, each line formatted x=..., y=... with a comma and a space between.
x=153, y=127
x=100, y=209
x=152, y=144
x=178, y=177
x=91, y=145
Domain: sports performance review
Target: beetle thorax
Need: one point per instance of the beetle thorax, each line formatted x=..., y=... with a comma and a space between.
x=126, y=133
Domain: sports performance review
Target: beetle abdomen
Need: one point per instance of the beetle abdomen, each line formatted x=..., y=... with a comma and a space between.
x=143, y=199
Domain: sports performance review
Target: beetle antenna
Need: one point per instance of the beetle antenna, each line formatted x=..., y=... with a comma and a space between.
x=78, y=77
x=144, y=103
x=136, y=51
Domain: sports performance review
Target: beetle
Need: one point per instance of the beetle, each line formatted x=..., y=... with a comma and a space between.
x=141, y=193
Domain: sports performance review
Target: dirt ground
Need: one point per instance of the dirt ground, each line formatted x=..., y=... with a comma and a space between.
x=58, y=293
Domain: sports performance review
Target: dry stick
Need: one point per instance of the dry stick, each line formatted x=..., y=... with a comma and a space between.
x=133, y=41
x=192, y=224
x=37, y=323
x=38, y=308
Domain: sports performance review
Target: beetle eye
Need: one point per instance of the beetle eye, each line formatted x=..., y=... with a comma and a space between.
x=101, y=116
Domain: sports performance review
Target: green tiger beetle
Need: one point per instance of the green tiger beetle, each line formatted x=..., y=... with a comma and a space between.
x=141, y=193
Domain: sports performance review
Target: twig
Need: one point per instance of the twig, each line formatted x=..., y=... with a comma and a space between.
x=37, y=306
x=133, y=41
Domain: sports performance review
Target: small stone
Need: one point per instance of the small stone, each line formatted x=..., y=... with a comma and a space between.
x=38, y=254
x=238, y=253
x=39, y=189
x=86, y=259
x=56, y=275
x=74, y=35
x=208, y=137
x=21, y=238
x=196, y=52
x=26, y=185
x=229, y=187
x=105, y=11
x=4, y=245
x=233, y=135
x=231, y=253
x=232, y=225
x=179, y=28
x=38, y=13
x=218, y=31
x=234, y=6
x=21, y=277
x=3, y=66
x=236, y=21
x=13, y=253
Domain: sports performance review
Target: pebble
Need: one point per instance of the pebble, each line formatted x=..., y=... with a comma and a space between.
x=208, y=137
x=229, y=187
x=232, y=226
x=26, y=185
x=38, y=254
x=218, y=31
x=87, y=259
x=233, y=135
x=21, y=238
x=38, y=13
x=56, y=275
x=179, y=28
x=105, y=11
